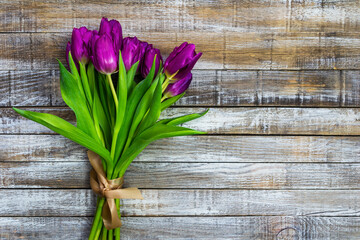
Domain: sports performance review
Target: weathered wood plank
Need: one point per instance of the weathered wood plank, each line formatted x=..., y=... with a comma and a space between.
x=265, y=227
x=272, y=88
x=324, y=16
x=209, y=88
x=160, y=16
x=179, y=15
x=4, y=88
x=187, y=175
x=351, y=88
x=292, y=51
x=81, y=202
x=264, y=51
x=27, y=51
x=277, y=149
x=247, y=120
x=31, y=87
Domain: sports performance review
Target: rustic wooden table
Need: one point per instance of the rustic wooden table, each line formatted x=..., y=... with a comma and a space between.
x=281, y=161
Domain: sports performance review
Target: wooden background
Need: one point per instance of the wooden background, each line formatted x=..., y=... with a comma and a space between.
x=281, y=161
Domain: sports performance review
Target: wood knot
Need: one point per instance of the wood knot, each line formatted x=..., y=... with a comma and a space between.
x=287, y=234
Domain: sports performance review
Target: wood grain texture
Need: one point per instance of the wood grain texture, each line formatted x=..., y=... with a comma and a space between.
x=271, y=72
x=27, y=51
x=139, y=228
x=258, y=51
x=180, y=15
x=180, y=202
x=210, y=88
x=187, y=175
x=286, y=121
x=196, y=149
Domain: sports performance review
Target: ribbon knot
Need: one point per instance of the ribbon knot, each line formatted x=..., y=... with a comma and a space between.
x=109, y=189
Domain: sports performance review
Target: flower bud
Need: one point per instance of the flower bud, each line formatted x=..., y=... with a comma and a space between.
x=104, y=56
x=113, y=29
x=131, y=51
x=79, y=46
x=181, y=61
x=179, y=86
x=148, y=60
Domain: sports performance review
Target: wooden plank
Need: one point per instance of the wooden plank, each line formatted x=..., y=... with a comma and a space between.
x=324, y=16
x=209, y=88
x=26, y=51
x=247, y=120
x=4, y=88
x=160, y=16
x=205, y=148
x=292, y=51
x=32, y=88
x=181, y=16
x=274, y=88
x=257, y=227
x=257, y=51
x=187, y=175
x=351, y=88
x=81, y=202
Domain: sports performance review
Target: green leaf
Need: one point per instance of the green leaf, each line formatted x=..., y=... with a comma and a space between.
x=122, y=90
x=77, y=102
x=168, y=102
x=85, y=84
x=153, y=133
x=73, y=67
x=132, y=103
x=66, y=129
x=91, y=77
x=131, y=74
x=106, y=100
x=186, y=118
x=141, y=110
x=155, y=108
x=100, y=121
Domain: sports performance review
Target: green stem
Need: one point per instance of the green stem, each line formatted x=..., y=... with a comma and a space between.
x=108, y=76
x=104, y=233
x=97, y=218
x=98, y=230
x=111, y=235
x=165, y=84
x=117, y=230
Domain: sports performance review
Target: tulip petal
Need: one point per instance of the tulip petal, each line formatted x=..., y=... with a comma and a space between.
x=179, y=86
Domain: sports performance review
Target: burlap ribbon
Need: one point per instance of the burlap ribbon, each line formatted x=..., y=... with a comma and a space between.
x=110, y=189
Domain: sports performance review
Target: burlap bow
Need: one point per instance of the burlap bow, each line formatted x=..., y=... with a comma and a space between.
x=110, y=189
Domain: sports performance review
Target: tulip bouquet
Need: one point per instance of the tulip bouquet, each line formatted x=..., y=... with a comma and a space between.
x=117, y=87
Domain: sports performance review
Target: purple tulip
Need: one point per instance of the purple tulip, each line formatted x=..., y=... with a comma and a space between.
x=131, y=51
x=79, y=46
x=113, y=29
x=148, y=60
x=179, y=86
x=181, y=61
x=104, y=56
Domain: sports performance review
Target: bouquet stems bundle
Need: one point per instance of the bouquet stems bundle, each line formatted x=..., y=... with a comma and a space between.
x=117, y=89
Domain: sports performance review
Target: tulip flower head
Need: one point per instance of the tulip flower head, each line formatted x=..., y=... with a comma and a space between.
x=104, y=57
x=180, y=62
x=113, y=29
x=178, y=87
x=79, y=46
x=148, y=60
x=132, y=51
